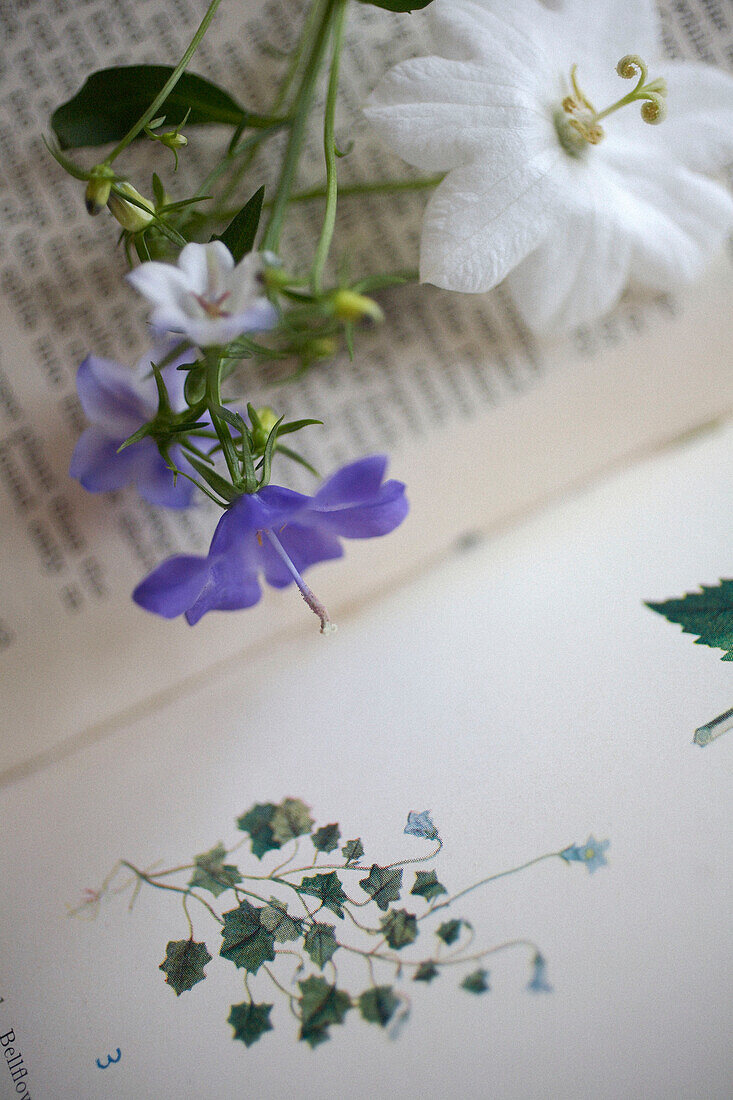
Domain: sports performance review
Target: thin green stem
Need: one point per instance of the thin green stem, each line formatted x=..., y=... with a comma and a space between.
x=213, y=402
x=492, y=878
x=375, y=187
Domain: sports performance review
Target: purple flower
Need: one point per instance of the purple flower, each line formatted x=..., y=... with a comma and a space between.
x=277, y=533
x=118, y=401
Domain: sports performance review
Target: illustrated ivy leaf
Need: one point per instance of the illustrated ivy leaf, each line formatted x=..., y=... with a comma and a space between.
x=708, y=613
x=353, y=850
x=476, y=982
x=427, y=885
x=426, y=972
x=382, y=884
x=290, y=819
x=326, y=838
x=250, y=1021
x=328, y=889
x=212, y=874
x=276, y=919
x=258, y=823
x=184, y=964
x=320, y=943
x=378, y=1005
x=399, y=927
x=247, y=943
x=449, y=930
x=321, y=1005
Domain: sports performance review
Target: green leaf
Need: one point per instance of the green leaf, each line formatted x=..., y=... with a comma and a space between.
x=276, y=919
x=212, y=873
x=427, y=885
x=291, y=818
x=320, y=943
x=214, y=479
x=250, y=1021
x=382, y=884
x=353, y=850
x=328, y=889
x=708, y=613
x=327, y=838
x=400, y=928
x=378, y=1005
x=476, y=982
x=449, y=931
x=184, y=964
x=321, y=1005
x=247, y=943
x=258, y=823
x=426, y=972
x=239, y=235
x=398, y=5
x=111, y=101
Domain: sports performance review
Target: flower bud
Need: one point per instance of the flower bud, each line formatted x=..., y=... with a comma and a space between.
x=98, y=189
x=350, y=306
x=132, y=218
x=267, y=420
x=173, y=140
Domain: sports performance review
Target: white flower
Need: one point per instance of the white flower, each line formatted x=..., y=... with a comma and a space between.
x=569, y=222
x=204, y=296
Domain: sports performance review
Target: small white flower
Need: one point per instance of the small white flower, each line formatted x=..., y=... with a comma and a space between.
x=536, y=189
x=204, y=296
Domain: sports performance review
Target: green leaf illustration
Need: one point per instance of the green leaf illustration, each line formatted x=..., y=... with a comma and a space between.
x=320, y=943
x=382, y=884
x=353, y=850
x=291, y=818
x=378, y=1005
x=449, y=931
x=212, y=874
x=321, y=1005
x=276, y=919
x=476, y=982
x=258, y=823
x=427, y=885
x=708, y=613
x=250, y=1021
x=426, y=972
x=328, y=888
x=247, y=943
x=184, y=964
x=399, y=927
x=326, y=839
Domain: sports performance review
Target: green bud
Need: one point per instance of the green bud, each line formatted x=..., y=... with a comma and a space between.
x=320, y=347
x=131, y=217
x=173, y=140
x=267, y=420
x=350, y=306
x=98, y=188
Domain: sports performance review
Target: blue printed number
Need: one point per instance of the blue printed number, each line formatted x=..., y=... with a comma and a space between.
x=110, y=1059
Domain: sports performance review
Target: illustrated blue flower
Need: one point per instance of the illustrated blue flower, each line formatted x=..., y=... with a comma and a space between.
x=538, y=983
x=118, y=401
x=277, y=533
x=421, y=825
x=590, y=853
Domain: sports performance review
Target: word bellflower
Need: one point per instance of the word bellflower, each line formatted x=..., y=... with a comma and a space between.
x=277, y=533
x=566, y=200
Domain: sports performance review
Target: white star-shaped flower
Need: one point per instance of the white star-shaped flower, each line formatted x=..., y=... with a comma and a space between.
x=204, y=296
x=538, y=190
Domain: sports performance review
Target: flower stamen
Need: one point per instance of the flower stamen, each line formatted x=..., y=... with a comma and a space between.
x=327, y=626
x=212, y=308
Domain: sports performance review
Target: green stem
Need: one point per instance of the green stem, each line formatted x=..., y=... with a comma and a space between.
x=329, y=148
x=375, y=187
x=492, y=878
x=169, y=84
x=213, y=402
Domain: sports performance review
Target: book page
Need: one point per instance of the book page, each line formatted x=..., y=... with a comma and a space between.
x=446, y=379
x=526, y=697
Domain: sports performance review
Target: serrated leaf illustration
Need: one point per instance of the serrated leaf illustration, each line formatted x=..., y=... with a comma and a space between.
x=321, y=1005
x=476, y=982
x=708, y=613
x=426, y=972
x=378, y=1005
x=427, y=885
x=276, y=919
x=184, y=964
x=326, y=839
x=353, y=850
x=258, y=823
x=382, y=884
x=290, y=819
x=250, y=1021
x=400, y=928
x=246, y=942
x=327, y=888
x=211, y=873
x=449, y=931
x=320, y=943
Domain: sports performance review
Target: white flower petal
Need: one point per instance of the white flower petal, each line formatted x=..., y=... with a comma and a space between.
x=698, y=129
x=500, y=32
x=162, y=284
x=477, y=227
x=244, y=282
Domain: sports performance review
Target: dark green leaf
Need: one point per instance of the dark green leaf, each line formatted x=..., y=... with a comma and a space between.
x=320, y=943
x=327, y=838
x=328, y=889
x=291, y=818
x=382, y=884
x=112, y=100
x=449, y=931
x=250, y=1021
x=476, y=982
x=276, y=919
x=426, y=972
x=247, y=943
x=708, y=614
x=239, y=235
x=427, y=885
x=211, y=873
x=195, y=384
x=378, y=1005
x=398, y=5
x=258, y=823
x=321, y=1005
x=400, y=928
x=184, y=964
x=353, y=850
x=214, y=479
